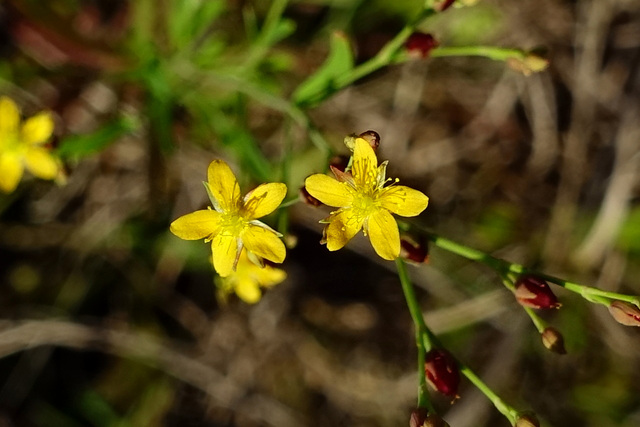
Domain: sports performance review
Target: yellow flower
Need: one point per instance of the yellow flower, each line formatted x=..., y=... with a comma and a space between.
x=22, y=145
x=247, y=280
x=365, y=202
x=233, y=223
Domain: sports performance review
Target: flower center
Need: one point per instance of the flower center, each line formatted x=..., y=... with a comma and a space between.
x=363, y=206
x=232, y=224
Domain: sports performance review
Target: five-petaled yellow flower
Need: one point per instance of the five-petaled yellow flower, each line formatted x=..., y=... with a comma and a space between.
x=22, y=145
x=233, y=223
x=365, y=202
x=247, y=280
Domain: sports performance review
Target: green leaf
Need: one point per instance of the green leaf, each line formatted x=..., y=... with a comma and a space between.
x=79, y=146
x=190, y=19
x=319, y=84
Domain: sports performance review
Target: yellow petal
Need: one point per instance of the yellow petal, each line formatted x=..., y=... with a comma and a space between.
x=41, y=163
x=224, y=186
x=264, y=199
x=196, y=225
x=382, y=230
x=365, y=164
x=11, y=170
x=264, y=243
x=342, y=227
x=37, y=129
x=270, y=276
x=403, y=201
x=224, y=248
x=9, y=116
x=328, y=190
x=248, y=290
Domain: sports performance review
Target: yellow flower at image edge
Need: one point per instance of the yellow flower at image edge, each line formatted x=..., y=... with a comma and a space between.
x=233, y=223
x=247, y=280
x=365, y=203
x=21, y=144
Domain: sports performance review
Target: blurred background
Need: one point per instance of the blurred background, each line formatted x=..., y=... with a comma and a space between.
x=109, y=320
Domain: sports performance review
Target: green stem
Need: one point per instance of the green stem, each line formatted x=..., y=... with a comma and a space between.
x=492, y=52
x=423, y=335
x=506, y=410
x=594, y=295
x=540, y=324
x=426, y=340
x=390, y=53
x=469, y=253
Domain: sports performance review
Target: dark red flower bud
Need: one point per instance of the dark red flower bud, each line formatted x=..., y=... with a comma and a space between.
x=442, y=372
x=625, y=313
x=527, y=419
x=420, y=44
x=553, y=340
x=414, y=250
x=420, y=417
x=372, y=137
x=444, y=5
x=308, y=198
x=533, y=292
x=339, y=162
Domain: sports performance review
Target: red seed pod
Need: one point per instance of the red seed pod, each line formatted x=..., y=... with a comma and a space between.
x=533, y=292
x=372, y=137
x=527, y=419
x=308, y=198
x=442, y=372
x=414, y=250
x=553, y=340
x=419, y=45
x=625, y=313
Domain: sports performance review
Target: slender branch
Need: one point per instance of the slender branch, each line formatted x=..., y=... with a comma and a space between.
x=426, y=340
x=423, y=338
x=492, y=52
x=591, y=294
x=506, y=410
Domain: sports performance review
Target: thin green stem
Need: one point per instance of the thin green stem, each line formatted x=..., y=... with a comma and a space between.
x=289, y=202
x=492, y=52
x=390, y=53
x=510, y=413
x=540, y=324
x=426, y=340
x=594, y=295
x=423, y=339
x=469, y=253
